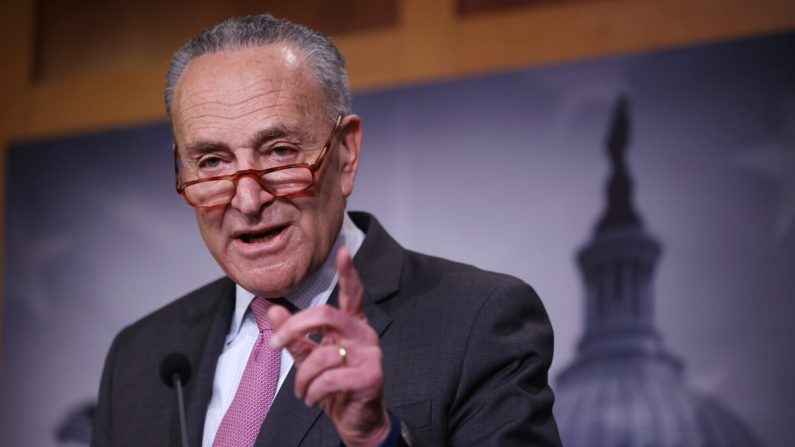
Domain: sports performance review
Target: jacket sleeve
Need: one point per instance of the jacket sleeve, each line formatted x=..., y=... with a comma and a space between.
x=503, y=397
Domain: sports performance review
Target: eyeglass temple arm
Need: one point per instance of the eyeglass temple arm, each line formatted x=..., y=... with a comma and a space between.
x=331, y=138
x=176, y=167
x=317, y=163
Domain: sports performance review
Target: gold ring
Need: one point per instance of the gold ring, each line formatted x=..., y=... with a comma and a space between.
x=343, y=356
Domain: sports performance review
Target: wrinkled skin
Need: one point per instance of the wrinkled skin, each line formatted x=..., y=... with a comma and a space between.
x=257, y=108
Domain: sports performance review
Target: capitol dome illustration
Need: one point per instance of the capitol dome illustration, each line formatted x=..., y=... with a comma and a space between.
x=624, y=389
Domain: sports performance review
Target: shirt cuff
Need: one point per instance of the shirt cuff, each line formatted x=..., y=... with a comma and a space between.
x=395, y=437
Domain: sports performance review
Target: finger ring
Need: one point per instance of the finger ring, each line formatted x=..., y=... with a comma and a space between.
x=343, y=356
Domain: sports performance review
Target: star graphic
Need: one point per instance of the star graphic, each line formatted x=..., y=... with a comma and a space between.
x=776, y=160
x=35, y=257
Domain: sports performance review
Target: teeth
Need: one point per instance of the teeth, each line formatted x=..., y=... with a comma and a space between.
x=256, y=239
x=260, y=237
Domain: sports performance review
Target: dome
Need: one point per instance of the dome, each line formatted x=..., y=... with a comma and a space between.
x=624, y=389
x=636, y=400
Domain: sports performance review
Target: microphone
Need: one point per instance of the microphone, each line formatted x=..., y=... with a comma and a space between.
x=175, y=372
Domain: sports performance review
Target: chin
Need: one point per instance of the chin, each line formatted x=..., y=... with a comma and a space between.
x=269, y=282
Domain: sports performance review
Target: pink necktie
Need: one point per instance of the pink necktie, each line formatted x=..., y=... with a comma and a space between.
x=254, y=395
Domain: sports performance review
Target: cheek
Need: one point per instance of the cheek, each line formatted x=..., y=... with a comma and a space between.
x=210, y=226
x=329, y=192
x=316, y=211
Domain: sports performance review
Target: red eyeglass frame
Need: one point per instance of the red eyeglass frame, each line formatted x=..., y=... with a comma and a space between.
x=313, y=168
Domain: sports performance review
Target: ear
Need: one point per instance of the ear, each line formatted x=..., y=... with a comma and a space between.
x=350, y=144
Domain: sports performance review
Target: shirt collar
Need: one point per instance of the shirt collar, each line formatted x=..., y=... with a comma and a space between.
x=311, y=292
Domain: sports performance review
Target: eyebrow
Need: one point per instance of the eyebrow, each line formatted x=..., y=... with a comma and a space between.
x=260, y=138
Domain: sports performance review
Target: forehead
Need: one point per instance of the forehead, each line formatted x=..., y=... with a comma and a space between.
x=238, y=89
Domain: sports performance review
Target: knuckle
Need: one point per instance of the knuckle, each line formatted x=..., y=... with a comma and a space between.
x=329, y=381
x=332, y=355
x=325, y=312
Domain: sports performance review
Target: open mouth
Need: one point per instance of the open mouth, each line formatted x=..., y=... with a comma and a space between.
x=254, y=238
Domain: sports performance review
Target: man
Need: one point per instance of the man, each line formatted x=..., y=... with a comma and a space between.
x=325, y=331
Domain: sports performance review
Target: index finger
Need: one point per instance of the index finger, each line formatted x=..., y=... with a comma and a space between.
x=299, y=347
x=351, y=292
x=322, y=319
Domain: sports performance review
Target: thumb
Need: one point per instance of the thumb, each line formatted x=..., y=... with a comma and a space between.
x=277, y=315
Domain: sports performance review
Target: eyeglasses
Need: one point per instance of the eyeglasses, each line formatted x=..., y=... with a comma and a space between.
x=279, y=181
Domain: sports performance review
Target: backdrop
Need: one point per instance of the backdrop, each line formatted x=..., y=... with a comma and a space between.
x=505, y=172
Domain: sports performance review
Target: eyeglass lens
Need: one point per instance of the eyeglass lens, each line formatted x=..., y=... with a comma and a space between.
x=282, y=182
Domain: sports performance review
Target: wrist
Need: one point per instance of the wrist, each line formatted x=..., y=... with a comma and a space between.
x=395, y=433
x=376, y=437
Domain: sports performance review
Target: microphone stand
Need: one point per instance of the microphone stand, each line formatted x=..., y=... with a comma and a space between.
x=183, y=428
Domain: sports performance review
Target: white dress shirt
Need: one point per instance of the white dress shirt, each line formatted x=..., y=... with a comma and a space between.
x=243, y=332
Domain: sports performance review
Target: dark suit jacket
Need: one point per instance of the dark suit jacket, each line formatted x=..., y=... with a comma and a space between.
x=466, y=354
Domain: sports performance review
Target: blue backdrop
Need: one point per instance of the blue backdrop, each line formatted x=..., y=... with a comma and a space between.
x=505, y=171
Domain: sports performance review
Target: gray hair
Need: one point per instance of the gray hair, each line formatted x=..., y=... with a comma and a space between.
x=325, y=61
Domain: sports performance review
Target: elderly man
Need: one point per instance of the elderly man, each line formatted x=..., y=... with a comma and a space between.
x=325, y=330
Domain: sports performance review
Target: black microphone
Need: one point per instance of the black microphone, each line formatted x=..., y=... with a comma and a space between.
x=175, y=372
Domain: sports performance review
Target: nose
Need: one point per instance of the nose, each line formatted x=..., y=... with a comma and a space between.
x=250, y=196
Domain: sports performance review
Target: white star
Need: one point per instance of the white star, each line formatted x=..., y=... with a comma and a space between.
x=31, y=284
x=776, y=159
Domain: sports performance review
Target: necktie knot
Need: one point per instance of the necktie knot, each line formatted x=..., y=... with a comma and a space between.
x=259, y=307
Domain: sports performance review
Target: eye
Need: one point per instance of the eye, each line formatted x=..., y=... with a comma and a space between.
x=210, y=162
x=283, y=151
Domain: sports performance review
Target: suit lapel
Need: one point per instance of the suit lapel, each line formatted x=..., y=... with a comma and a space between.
x=379, y=262
x=206, y=322
x=289, y=419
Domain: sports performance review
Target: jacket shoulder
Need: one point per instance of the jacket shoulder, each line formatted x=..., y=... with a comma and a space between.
x=457, y=276
x=193, y=305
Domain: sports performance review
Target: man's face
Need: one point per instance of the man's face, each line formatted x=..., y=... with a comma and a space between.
x=257, y=108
